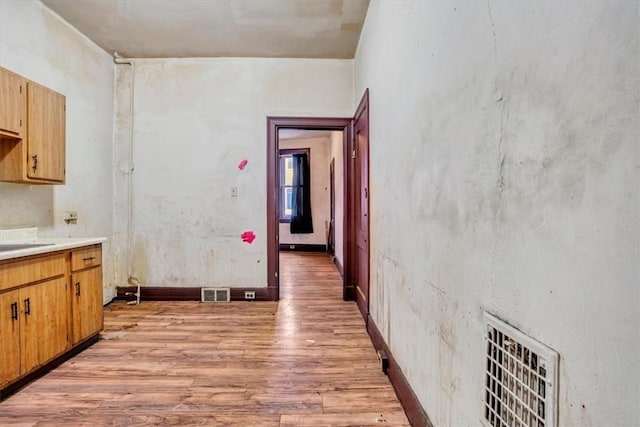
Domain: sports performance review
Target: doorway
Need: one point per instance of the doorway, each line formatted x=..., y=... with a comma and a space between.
x=355, y=217
x=275, y=127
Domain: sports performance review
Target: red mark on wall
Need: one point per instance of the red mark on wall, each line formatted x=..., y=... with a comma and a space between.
x=242, y=164
x=248, y=237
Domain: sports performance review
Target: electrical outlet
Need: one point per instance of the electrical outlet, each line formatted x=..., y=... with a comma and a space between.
x=234, y=191
x=70, y=216
x=249, y=295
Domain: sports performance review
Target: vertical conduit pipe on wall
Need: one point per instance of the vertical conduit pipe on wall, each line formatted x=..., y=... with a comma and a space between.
x=118, y=60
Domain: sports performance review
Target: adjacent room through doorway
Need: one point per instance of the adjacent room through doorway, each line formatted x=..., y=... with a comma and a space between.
x=310, y=193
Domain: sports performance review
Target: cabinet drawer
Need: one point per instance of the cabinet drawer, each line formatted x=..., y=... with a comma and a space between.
x=20, y=272
x=86, y=257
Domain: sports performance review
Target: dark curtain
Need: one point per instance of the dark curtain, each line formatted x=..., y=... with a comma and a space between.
x=301, y=221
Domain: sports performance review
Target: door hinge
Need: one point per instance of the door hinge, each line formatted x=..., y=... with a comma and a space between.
x=276, y=274
x=20, y=88
x=20, y=122
x=353, y=154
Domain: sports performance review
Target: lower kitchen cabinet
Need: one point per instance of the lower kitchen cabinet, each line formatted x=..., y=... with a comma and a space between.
x=9, y=337
x=46, y=326
x=87, y=303
x=48, y=310
x=33, y=329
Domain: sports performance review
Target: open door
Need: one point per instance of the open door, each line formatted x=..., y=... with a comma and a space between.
x=360, y=204
x=332, y=214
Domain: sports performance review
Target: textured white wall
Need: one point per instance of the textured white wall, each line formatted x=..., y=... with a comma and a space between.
x=337, y=154
x=194, y=121
x=504, y=177
x=37, y=44
x=320, y=203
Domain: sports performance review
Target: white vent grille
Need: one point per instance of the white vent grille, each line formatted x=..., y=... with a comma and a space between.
x=520, y=386
x=215, y=295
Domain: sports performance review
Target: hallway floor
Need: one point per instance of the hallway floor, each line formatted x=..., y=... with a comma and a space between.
x=305, y=361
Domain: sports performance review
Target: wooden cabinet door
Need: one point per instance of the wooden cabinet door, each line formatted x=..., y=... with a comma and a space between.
x=32, y=323
x=9, y=337
x=44, y=323
x=56, y=319
x=12, y=104
x=87, y=303
x=46, y=133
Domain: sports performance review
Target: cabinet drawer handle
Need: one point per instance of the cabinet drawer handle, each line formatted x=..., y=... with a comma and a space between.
x=14, y=311
x=27, y=307
x=91, y=258
x=77, y=289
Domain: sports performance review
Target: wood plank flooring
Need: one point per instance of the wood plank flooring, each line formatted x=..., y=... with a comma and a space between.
x=304, y=361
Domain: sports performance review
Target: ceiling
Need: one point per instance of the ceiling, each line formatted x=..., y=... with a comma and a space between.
x=219, y=28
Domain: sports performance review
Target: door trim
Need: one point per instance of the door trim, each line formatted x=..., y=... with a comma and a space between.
x=331, y=239
x=274, y=124
x=351, y=269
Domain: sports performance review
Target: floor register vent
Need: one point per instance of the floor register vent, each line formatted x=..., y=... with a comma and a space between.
x=520, y=386
x=215, y=295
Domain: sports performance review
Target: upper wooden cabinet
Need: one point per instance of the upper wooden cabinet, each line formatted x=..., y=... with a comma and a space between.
x=13, y=113
x=46, y=133
x=35, y=154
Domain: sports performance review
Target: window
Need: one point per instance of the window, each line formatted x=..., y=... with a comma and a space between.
x=286, y=182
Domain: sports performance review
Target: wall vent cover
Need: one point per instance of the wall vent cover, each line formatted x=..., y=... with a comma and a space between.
x=520, y=386
x=215, y=295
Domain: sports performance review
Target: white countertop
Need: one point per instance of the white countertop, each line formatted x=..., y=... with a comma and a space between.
x=53, y=244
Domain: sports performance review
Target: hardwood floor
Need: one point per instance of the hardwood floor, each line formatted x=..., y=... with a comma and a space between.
x=304, y=361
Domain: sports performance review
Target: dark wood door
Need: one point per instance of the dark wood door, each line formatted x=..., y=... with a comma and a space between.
x=361, y=202
x=332, y=219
